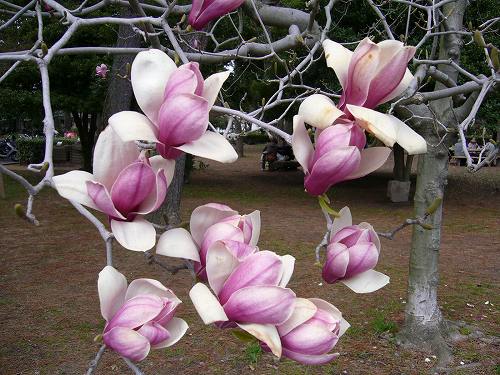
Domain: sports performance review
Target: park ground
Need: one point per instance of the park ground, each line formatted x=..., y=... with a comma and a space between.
x=49, y=308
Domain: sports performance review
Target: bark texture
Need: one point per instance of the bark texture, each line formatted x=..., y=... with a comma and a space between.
x=86, y=123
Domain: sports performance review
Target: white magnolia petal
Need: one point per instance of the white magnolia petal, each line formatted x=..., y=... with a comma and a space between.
x=345, y=220
x=168, y=165
x=72, y=186
x=208, y=307
x=409, y=139
x=371, y=159
x=137, y=235
x=344, y=326
x=211, y=146
x=111, y=156
x=132, y=126
x=205, y=216
x=149, y=75
x=301, y=143
x=177, y=243
x=328, y=307
x=338, y=58
x=212, y=86
x=219, y=265
x=379, y=124
x=266, y=333
x=304, y=309
x=112, y=286
x=319, y=111
x=255, y=220
x=288, y=262
x=366, y=282
x=149, y=286
x=376, y=239
x=177, y=327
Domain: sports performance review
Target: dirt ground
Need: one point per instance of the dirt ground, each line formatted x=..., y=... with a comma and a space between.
x=49, y=308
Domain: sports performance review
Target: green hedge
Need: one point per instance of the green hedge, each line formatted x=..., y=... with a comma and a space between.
x=31, y=150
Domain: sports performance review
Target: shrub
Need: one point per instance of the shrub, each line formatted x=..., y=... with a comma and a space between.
x=256, y=138
x=31, y=150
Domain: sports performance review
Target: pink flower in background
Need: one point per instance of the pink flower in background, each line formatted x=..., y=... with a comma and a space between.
x=337, y=156
x=176, y=103
x=352, y=253
x=312, y=331
x=139, y=317
x=101, y=70
x=204, y=11
x=250, y=291
x=210, y=223
x=125, y=185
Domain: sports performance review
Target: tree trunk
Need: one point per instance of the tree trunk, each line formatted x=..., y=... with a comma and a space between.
x=119, y=96
x=239, y=144
x=86, y=131
x=169, y=211
x=424, y=326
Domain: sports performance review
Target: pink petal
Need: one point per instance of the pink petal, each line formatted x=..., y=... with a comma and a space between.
x=331, y=168
x=133, y=186
x=336, y=136
x=211, y=145
x=371, y=159
x=150, y=287
x=310, y=359
x=362, y=257
x=181, y=81
x=135, y=312
x=260, y=304
x=177, y=328
x=182, y=119
x=219, y=231
x=154, y=332
x=303, y=310
x=205, y=216
x=102, y=200
x=310, y=339
x=337, y=260
x=128, y=343
x=261, y=268
x=137, y=235
x=338, y=58
x=157, y=195
x=210, y=11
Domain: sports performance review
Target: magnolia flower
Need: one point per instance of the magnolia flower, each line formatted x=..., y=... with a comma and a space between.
x=204, y=11
x=352, y=253
x=176, y=103
x=371, y=75
x=101, y=70
x=125, y=185
x=210, y=223
x=337, y=156
x=139, y=317
x=250, y=291
x=312, y=331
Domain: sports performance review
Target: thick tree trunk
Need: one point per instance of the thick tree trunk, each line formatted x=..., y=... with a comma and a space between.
x=239, y=144
x=169, y=211
x=119, y=96
x=424, y=325
x=87, y=127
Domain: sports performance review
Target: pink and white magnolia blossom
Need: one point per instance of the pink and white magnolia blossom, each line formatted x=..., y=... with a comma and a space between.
x=210, y=223
x=250, y=291
x=312, y=331
x=138, y=317
x=101, y=70
x=125, y=185
x=371, y=75
x=338, y=155
x=176, y=102
x=352, y=253
x=204, y=11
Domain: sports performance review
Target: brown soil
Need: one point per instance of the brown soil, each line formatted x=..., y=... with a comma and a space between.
x=48, y=297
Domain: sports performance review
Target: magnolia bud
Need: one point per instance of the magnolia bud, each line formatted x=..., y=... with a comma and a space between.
x=434, y=206
x=495, y=59
x=45, y=49
x=478, y=38
x=19, y=209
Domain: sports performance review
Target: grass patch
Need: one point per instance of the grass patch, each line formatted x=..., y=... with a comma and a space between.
x=253, y=353
x=381, y=324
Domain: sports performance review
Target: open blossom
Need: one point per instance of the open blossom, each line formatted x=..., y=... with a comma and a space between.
x=352, y=253
x=371, y=75
x=204, y=11
x=138, y=317
x=210, y=223
x=176, y=103
x=312, y=331
x=338, y=155
x=250, y=292
x=101, y=70
x=125, y=185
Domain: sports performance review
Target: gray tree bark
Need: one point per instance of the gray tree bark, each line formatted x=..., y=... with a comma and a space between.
x=424, y=326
